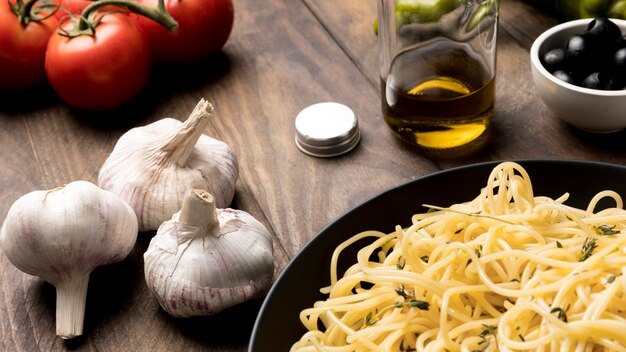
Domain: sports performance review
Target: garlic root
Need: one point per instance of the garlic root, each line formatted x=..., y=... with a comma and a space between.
x=206, y=259
x=61, y=235
x=151, y=167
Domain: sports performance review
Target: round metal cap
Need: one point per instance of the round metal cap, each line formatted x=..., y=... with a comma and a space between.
x=327, y=129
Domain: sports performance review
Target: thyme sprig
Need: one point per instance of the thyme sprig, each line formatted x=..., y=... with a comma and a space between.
x=587, y=250
x=561, y=313
x=410, y=300
x=401, y=263
x=606, y=230
x=490, y=330
x=478, y=252
x=477, y=214
x=369, y=321
x=401, y=291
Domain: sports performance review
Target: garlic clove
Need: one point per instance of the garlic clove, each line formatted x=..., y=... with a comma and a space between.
x=61, y=235
x=151, y=167
x=205, y=259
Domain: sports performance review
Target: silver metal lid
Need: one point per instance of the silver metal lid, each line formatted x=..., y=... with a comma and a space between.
x=327, y=129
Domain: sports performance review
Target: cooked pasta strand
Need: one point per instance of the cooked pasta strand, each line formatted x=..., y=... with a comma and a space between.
x=506, y=271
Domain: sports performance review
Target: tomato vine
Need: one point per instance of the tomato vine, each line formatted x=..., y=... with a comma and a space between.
x=32, y=10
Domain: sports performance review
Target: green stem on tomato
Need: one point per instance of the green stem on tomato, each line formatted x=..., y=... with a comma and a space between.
x=23, y=10
x=158, y=14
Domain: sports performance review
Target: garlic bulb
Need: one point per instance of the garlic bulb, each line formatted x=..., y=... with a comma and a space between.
x=206, y=259
x=61, y=235
x=151, y=167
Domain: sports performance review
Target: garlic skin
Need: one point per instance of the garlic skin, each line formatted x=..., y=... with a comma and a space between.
x=151, y=167
x=61, y=235
x=205, y=259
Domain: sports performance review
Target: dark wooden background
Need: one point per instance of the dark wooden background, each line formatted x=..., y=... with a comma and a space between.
x=281, y=57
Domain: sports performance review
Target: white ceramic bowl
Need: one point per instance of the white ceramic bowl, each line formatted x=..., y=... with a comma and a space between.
x=588, y=109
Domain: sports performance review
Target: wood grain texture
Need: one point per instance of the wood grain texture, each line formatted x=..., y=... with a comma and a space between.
x=281, y=57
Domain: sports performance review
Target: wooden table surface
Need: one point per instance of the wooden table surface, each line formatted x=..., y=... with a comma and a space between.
x=281, y=57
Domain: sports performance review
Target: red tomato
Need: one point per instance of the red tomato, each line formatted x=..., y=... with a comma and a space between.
x=22, y=49
x=204, y=27
x=102, y=71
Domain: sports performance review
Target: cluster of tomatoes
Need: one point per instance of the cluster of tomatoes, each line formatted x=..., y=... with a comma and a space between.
x=110, y=65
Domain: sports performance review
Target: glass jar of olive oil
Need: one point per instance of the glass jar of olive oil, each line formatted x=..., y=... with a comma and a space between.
x=438, y=63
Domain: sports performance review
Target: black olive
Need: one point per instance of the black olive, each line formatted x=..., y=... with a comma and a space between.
x=619, y=61
x=578, y=52
x=564, y=76
x=593, y=81
x=600, y=80
x=594, y=59
x=554, y=59
x=604, y=32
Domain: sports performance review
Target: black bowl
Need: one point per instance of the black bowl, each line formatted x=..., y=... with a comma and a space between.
x=278, y=324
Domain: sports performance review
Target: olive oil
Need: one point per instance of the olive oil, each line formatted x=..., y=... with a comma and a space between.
x=439, y=97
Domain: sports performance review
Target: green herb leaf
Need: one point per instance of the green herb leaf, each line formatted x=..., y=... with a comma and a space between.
x=490, y=330
x=588, y=246
x=421, y=305
x=558, y=244
x=606, y=230
x=410, y=301
x=402, y=292
x=610, y=279
x=368, y=320
x=485, y=344
x=476, y=214
x=478, y=254
x=401, y=263
x=561, y=314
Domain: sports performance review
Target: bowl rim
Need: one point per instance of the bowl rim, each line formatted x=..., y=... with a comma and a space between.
x=534, y=57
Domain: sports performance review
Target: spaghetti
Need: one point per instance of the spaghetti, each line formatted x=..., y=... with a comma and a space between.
x=507, y=271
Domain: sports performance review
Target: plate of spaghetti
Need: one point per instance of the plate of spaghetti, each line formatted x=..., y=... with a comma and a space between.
x=500, y=256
